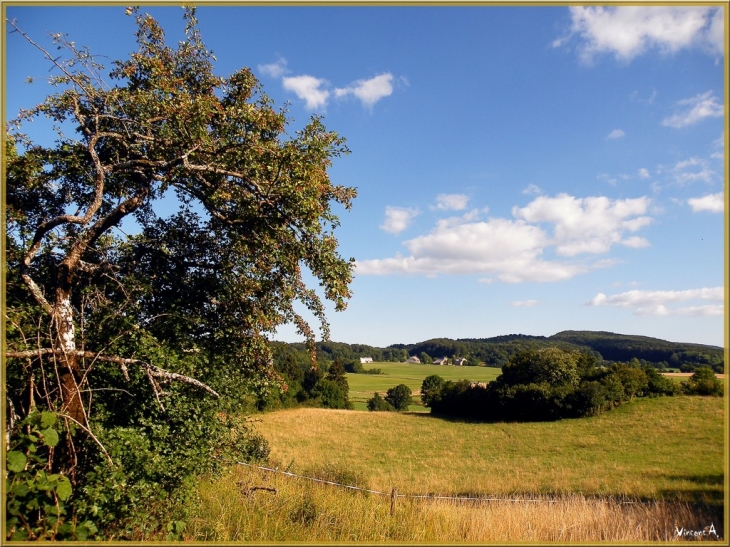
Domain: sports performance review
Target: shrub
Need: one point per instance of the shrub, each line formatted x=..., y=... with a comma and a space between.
x=703, y=382
x=378, y=404
x=399, y=396
x=431, y=389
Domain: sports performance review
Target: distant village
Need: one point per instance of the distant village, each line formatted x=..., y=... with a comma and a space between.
x=457, y=361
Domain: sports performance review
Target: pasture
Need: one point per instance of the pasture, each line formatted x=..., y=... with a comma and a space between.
x=663, y=455
x=363, y=386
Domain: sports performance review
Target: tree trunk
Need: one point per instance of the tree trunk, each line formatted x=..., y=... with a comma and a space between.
x=69, y=370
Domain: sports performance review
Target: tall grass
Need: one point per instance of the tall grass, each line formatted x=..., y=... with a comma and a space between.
x=237, y=508
x=657, y=448
x=568, y=481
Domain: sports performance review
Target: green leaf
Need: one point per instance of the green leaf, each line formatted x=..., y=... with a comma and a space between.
x=19, y=535
x=47, y=419
x=50, y=437
x=20, y=490
x=64, y=490
x=16, y=461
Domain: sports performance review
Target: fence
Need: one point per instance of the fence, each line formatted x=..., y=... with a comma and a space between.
x=394, y=495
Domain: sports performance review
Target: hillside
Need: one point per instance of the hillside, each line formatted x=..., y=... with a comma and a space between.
x=496, y=351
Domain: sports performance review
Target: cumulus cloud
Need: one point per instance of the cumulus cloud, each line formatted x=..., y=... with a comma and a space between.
x=616, y=134
x=451, y=202
x=368, y=91
x=308, y=88
x=644, y=173
x=695, y=109
x=397, y=219
x=588, y=225
x=274, y=70
x=512, y=249
x=658, y=302
x=524, y=303
x=713, y=203
x=629, y=31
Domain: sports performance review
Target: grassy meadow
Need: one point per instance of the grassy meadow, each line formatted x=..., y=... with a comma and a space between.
x=665, y=455
x=363, y=386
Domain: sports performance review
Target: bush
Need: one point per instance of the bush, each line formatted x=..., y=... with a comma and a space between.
x=703, y=382
x=399, y=396
x=378, y=404
x=331, y=394
x=431, y=389
x=354, y=367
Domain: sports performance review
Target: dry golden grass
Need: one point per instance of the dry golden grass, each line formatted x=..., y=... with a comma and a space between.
x=671, y=447
x=236, y=508
x=571, y=478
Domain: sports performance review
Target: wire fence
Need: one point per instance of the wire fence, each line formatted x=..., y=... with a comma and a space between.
x=395, y=495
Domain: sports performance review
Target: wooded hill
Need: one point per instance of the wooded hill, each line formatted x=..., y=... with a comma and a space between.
x=496, y=351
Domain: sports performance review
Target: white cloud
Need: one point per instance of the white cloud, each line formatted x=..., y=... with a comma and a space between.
x=714, y=203
x=644, y=173
x=397, y=219
x=657, y=302
x=628, y=31
x=695, y=109
x=689, y=171
x=274, y=70
x=512, y=249
x=524, y=303
x=368, y=91
x=451, y=202
x=532, y=190
x=587, y=225
x=616, y=134
x=308, y=88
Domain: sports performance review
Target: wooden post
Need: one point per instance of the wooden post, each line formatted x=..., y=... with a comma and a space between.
x=393, y=496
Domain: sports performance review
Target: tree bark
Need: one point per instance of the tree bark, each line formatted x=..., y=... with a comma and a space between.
x=69, y=371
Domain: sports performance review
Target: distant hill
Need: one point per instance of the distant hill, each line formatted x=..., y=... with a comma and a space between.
x=497, y=350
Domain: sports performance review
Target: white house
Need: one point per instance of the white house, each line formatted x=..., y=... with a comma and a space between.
x=364, y=360
x=441, y=361
x=413, y=359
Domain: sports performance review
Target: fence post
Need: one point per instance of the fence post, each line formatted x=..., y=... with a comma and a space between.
x=393, y=496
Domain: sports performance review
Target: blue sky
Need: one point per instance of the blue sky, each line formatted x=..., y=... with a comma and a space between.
x=519, y=169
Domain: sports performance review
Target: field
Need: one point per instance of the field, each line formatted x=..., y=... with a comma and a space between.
x=664, y=455
x=363, y=386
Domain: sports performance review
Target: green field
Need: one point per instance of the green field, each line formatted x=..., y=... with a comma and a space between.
x=665, y=455
x=669, y=447
x=363, y=386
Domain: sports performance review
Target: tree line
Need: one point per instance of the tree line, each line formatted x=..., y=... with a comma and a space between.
x=552, y=384
x=497, y=351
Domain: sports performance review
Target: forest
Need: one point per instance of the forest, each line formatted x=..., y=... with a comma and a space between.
x=496, y=351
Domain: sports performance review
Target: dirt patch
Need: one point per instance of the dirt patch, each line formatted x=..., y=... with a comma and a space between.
x=686, y=374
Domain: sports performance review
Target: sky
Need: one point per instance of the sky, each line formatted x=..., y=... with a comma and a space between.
x=520, y=170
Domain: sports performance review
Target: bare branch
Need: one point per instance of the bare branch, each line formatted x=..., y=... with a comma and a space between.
x=155, y=371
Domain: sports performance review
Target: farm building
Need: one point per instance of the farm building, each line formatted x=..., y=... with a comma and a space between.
x=413, y=360
x=441, y=361
x=364, y=360
x=459, y=361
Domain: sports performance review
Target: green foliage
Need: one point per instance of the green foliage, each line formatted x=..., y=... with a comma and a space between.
x=378, y=404
x=330, y=394
x=703, y=382
x=146, y=345
x=37, y=499
x=399, y=397
x=547, y=384
x=431, y=389
x=354, y=366
x=497, y=351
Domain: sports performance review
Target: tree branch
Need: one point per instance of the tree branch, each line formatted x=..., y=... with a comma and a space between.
x=153, y=370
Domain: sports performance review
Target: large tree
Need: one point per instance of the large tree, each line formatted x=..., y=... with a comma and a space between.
x=106, y=285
